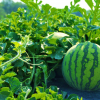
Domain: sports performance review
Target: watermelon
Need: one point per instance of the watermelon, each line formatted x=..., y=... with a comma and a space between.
x=81, y=66
x=55, y=36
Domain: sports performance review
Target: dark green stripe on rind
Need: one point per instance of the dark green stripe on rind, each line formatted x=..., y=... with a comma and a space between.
x=95, y=79
x=67, y=70
x=65, y=67
x=83, y=60
x=95, y=64
x=97, y=70
x=74, y=65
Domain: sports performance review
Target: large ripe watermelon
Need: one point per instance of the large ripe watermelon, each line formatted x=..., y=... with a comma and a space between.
x=81, y=66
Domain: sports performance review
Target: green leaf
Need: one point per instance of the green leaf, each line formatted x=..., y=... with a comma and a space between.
x=4, y=93
x=20, y=97
x=44, y=27
x=39, y=2
x=16, y=44
x=39, y=95
x=54, y=88
x=67, y=29
x=8, y=56
x=76, y=1
x=64, y=94
x=2, y=47
x=27, y=90
x=93, y=27
x=39, y=89
x=6, y=69
x=8, y=75
x=72, y=97
x=53, y=93
x=15, y=84
x=81, y=33
x=53, y=10
x=18, y=63
x=13, y=36
x=1, y=81
x=73, y=40
x=58, y=54
x=52, y=39
x=59, y=97
x=97, y=1
x=3, y=33
x=32, y=98
x=10, y=98
x=2, y=58
x=90, y=3
x=66, y=8
x=46, y=8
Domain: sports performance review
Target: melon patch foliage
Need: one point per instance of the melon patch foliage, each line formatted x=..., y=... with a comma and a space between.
x=33, y=43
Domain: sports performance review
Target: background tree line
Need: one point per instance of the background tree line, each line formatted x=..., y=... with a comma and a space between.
x=7, y=6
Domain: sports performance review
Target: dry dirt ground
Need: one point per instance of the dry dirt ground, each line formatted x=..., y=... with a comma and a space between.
x=62, y=85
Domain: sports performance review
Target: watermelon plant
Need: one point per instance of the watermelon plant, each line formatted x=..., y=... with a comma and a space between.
x=33, y=42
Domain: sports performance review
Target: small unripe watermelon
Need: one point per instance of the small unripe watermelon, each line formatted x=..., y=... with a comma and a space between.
x=81, y=66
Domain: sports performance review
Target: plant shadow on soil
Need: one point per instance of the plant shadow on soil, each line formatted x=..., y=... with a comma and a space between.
x=63, y=86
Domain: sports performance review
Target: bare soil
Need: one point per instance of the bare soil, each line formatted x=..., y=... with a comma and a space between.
x=62, y=85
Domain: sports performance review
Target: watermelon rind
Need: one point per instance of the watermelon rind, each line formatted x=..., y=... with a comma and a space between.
x=81, y=66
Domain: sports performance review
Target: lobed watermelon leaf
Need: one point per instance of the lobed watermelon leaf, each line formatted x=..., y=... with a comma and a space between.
x=90, y=3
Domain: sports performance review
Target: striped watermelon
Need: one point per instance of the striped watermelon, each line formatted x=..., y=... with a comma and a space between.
x=81, y=66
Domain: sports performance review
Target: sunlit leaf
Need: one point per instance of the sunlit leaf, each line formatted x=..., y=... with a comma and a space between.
x=2, y=58
x=8, y=75
x=53, y=10
x=46, y=8
x=39, y=95
x=52, y=39
x=76, y=1
x=90, y=3
x=39, y=89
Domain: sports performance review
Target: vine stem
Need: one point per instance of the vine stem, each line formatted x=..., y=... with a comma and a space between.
x=13, y=59
x=33, y=71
